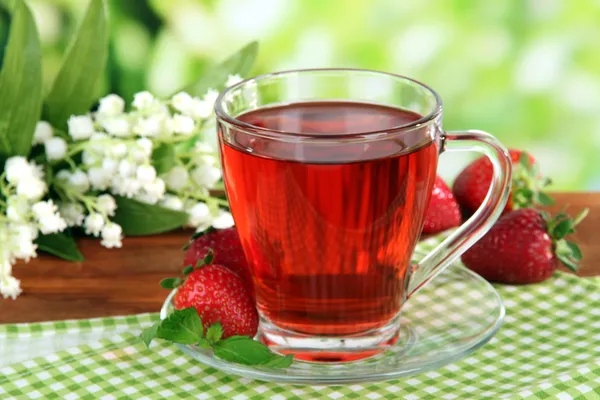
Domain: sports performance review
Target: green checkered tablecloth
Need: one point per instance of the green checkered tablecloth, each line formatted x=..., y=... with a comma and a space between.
x=549, y=347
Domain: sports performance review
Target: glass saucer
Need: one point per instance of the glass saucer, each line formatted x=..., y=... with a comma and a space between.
x=457, y=313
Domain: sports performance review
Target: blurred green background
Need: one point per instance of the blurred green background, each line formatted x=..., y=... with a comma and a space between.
x=526, y=71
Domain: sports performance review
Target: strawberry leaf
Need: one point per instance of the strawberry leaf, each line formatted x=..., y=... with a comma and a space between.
x=196, y=235
x=188, y=270
x=214, y=332
x=149, y=334
x=563, y=228
x=580, y=217
x=181, y=326
x=170, y=283
x=524, y=161
x=544, y=199
x=203, y=343
x=567, y=262
x=575, y=251
x=209, y=257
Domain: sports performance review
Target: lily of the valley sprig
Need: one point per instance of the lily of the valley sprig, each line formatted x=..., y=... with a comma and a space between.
x=73, y=164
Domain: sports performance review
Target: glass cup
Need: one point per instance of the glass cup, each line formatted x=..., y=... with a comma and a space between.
x=328, y=173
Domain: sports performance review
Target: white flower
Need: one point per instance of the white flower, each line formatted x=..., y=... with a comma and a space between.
x=10, y=286
x=21, y=241
x=146, y=174
x=48, y=218
x=127, y=187
x=181, y=124
x=201, y=109
x=233, y=79
x=107, y=204
x=43, y=132
x=56, y=148
x=79, y=181
x=93, y=224
x=199, y=216
x=150, y=127
x=111, y=105
x=99, y=179
x=126, y=168
x=177, y=178
x=17, y=208
x=201, y=147
x=206, y=175
x=99, y=142
x=182, y=102
x=118, y=127
x=172, y=202
x=143, y=100
x=110, y=165
x=32, y=188
x=80, y=127
x=146, y=145
x=63, y=175
x=223, y=221
x=204, y=159
x=18, y=169
x=211, y=96
x=118, y=150
x=89, y=158
x=154, y=191
x=72, y=213
x=112, y=235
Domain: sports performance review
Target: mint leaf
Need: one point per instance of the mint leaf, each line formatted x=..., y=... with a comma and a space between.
x=243, y=350
x=279, y=361
x=181, y=326
x=20, y=82
x=203, y=343
x=149, y=334
x=214, y=332
x=76, y=84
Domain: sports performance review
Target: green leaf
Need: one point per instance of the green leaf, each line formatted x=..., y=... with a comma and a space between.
x=170, y=283
x=209, y=257
x=149, y=334
x=544, y=199
x=243, y=350
x=187, y=270
x=20, y=82
x=203, y=343
x=61, y=245
x=181, y=326
x=75, y=87
x=524, y=161
x=164, y=158
x=581, y=216
x=4, y=26
x=239, y=63
x=575, y=251
x=568, y=262
x=280, y=361
x=563, y=228
x=214, y=332
x=137, y=218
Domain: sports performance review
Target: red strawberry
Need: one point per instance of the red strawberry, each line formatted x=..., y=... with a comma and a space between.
x=227, y=248
x=443, y=211
x=219, y=295
x=525, y=246
x=472, y=184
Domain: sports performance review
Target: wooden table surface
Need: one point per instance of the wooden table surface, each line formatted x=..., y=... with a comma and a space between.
x=125, y=281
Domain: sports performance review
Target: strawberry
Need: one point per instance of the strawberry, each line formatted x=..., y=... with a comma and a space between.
x=525, y=246
x=472, y=184
x=218, y=295
x=443, y=211
x=227, y=248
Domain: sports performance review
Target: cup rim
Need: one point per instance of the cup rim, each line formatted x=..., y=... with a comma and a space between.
x=253, y=129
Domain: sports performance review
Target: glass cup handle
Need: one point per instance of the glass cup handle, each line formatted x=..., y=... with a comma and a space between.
x=483, y=219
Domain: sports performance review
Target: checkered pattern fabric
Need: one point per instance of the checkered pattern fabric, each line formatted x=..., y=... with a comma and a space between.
x=548, y=347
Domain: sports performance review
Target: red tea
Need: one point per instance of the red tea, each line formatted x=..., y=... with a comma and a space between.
x=329, y=221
